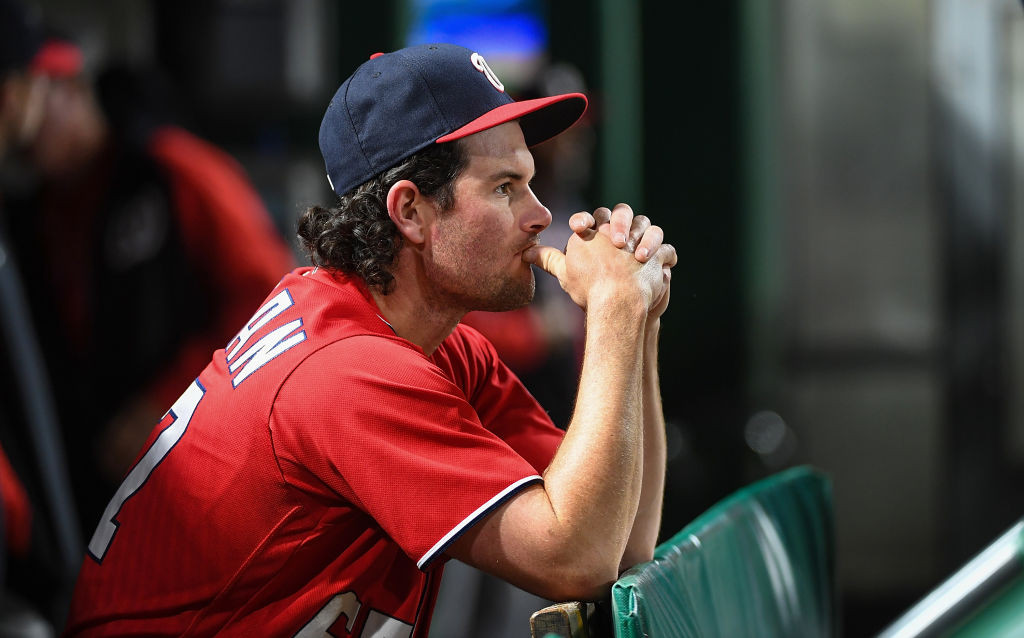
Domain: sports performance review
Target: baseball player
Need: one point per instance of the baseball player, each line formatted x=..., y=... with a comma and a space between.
x=354, y=436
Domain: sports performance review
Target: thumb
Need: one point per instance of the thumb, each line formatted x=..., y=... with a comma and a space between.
x=551, y=260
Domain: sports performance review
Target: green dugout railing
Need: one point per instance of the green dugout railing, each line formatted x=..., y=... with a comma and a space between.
x=759, y=563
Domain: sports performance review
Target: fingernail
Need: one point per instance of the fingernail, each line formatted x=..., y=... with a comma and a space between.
x=643, y=253
x=620, y=238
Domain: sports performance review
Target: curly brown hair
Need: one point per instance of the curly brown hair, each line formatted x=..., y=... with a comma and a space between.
x=357, y=235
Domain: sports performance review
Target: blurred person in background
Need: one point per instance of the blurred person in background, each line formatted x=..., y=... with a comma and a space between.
x=34, y=589
x=141, y=246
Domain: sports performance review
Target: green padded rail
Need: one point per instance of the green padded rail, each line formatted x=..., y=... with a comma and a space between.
x=759, y=563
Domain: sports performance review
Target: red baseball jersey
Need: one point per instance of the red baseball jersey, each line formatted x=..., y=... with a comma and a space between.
x=309, y=481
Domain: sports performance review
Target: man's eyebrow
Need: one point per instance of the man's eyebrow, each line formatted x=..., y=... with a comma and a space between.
x=508, y=174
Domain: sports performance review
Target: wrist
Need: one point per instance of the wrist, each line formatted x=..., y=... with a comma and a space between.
x=651, y=347
x=652, y=330
x=618, y=311
x=618, y=301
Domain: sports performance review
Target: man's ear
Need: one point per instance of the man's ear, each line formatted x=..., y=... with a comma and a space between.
x=409, y=210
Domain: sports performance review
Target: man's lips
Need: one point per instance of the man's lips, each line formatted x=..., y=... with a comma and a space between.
x=533, y=242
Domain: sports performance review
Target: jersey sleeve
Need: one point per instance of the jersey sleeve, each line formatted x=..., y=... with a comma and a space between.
x=371, y=420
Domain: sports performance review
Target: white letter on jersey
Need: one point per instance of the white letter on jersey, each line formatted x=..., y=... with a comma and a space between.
x=181, y=412
x=271, y=345
x=281, y=302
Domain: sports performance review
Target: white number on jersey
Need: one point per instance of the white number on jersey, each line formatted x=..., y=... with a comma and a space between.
x=181, y=413
x=377, y=625
x=346, y=604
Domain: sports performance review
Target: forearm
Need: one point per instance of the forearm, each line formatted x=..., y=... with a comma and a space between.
x=644, y=535
x=594, y=483
x=566, y=539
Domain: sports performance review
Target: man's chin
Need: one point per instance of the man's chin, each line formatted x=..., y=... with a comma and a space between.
x=512, y=297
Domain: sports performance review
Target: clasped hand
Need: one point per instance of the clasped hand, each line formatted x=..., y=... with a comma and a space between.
x=594, y=257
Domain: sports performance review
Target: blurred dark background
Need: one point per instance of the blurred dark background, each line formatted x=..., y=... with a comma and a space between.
x=843, y=181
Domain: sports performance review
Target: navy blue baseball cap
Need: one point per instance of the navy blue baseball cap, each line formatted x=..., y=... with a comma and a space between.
x=396, y=104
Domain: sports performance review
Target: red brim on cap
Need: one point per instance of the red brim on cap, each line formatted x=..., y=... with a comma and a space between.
x=541, y=118
x=57, y=58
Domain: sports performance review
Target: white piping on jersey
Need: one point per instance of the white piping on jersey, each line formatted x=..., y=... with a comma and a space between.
x=472, y=518
x=388, y=324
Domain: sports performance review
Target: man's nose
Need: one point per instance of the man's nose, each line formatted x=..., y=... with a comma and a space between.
x=537, y=217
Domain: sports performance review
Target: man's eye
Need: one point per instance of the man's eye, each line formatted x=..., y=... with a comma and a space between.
x=505, y=188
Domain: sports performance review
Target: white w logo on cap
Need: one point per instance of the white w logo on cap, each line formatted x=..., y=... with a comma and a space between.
x=481, y=65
